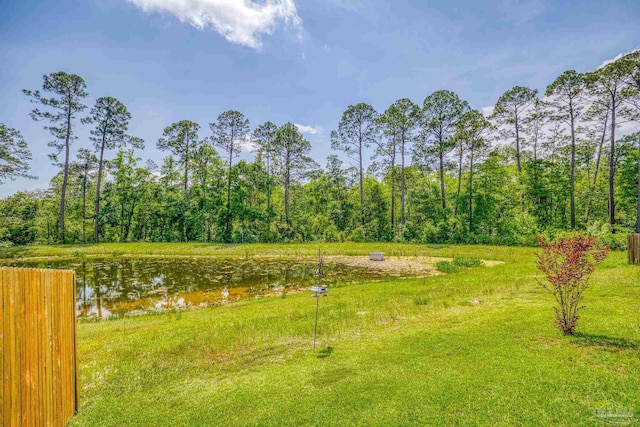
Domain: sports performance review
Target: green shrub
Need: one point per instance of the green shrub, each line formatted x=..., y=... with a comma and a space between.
x=446, y=267
x=331, y=234
x=411, y=232
x=429, y=233
x=602, y=232
x=521, y=230
x=467, y=262
x=457, y=263
x=357, y=235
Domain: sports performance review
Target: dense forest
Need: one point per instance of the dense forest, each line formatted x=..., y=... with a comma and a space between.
x=437, y=171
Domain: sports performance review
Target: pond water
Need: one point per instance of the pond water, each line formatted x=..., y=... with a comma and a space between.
x=124, y=285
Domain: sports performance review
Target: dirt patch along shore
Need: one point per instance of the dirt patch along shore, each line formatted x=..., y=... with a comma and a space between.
x=398, y=266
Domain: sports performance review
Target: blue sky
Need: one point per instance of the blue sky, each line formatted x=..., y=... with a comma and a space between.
x=303, y=61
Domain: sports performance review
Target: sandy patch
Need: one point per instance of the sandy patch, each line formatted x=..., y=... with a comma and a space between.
x=491, y=263
x=398, y=266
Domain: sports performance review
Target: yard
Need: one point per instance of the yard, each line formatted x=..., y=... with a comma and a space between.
x=472, y=347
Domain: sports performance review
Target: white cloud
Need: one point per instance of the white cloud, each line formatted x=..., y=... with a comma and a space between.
x=246, y=144
x=310, y=130
x=618, y=56
x=488, y=110
x=239, y=21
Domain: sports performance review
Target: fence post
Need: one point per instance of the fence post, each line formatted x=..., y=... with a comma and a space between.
x=38, y=347
x=633, y=248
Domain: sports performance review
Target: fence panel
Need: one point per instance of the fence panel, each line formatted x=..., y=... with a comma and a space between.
x=38, y=347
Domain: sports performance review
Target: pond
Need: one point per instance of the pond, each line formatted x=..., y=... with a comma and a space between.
x=124, y=285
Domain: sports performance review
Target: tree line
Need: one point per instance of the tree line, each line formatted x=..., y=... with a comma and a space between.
x=433, y=172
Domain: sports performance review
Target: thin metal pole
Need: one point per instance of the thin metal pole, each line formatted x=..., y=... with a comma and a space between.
x=317, y=295
x=315, y=329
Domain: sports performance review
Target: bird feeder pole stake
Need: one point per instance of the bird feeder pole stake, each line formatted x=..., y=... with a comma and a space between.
x=317, y=295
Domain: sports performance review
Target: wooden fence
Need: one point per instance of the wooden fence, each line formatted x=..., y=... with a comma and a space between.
x=633, y=248
x=38, y=347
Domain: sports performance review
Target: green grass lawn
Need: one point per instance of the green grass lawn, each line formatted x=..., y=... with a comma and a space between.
x=390, y=353
x=220, y=250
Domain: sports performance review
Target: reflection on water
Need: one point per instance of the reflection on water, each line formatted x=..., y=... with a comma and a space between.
x=115, y=286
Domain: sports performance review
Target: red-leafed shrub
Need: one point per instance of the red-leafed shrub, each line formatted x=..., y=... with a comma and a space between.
x=567, y=264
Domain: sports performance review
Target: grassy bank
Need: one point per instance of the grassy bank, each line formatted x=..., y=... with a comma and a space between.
x=248, y=250
x=477, y=347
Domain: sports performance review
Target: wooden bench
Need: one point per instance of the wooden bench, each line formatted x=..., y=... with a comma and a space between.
x=376, y=256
